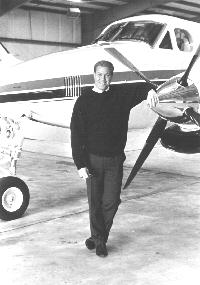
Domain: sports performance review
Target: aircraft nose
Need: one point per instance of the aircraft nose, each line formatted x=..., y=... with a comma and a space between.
x=175, y=98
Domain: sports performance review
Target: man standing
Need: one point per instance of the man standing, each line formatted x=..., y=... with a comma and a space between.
x=99, y=126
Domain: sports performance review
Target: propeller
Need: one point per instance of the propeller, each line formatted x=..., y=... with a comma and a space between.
x=161, y=123
x=152, y=139
x=190, y=112
x=183, y=80
x=194, y=116
x=121, y=58
x=157, y=129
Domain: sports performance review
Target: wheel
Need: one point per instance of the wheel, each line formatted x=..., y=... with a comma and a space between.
x=14, y=197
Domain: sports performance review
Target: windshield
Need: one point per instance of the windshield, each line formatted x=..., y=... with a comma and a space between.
x=139, y=31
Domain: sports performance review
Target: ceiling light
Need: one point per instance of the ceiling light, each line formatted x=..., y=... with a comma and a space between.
x=74, y=10
x=78, y=1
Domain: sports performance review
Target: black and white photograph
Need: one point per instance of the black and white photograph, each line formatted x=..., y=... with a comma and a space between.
x=99, y=142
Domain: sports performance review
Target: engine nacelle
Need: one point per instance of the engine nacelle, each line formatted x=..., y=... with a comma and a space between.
x=175, y=98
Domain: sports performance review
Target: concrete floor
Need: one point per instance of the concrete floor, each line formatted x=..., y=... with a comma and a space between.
x=154, y=239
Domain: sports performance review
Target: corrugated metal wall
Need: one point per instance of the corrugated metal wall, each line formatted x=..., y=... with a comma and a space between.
x=24, y=33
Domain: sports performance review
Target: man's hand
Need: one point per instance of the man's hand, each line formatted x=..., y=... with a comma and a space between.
x=84, y=173
x=152, y=98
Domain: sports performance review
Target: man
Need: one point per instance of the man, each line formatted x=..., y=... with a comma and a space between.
x=99, y=126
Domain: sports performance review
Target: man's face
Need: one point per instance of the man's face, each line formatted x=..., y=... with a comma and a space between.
x=102, y=77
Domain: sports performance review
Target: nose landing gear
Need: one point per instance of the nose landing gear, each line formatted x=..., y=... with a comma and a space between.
x=14, y=197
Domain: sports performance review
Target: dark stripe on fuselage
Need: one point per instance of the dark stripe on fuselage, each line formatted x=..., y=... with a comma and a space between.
x=55, y=88
x=129, y=76
x=33, y=85
x=33, y=96
x=60, y=93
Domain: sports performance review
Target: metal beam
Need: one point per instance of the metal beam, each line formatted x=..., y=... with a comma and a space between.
x=74, y=4
x=127, y=10
x=176, y=9
x=56, y=11
x=6, y=6
x=190, y=4
x=53, y=7
x=38, y=42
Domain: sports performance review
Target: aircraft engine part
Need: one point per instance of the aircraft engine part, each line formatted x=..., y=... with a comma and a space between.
x=14, y=198
x=175, y=98
x=152, y=139
x=181, y=141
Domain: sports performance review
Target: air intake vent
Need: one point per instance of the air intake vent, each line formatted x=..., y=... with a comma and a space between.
x=73, y=86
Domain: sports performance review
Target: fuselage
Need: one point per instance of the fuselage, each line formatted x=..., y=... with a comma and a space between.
x=49, y=85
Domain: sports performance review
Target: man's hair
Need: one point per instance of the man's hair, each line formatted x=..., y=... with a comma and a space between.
x=104, y=63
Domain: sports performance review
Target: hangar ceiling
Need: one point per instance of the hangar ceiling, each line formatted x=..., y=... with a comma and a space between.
x=187, y=9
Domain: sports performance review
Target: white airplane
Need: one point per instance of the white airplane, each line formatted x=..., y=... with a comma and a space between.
x=160, y=46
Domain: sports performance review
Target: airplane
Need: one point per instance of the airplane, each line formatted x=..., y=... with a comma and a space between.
x=53, y=82
x=179, y=103
x=160, y=46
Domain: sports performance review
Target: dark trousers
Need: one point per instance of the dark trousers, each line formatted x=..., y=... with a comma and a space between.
x=103, y=190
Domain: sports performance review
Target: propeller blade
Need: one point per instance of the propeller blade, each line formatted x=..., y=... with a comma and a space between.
x=152, y=139
x=183, y=80
x=193, y=115
x=121, y=58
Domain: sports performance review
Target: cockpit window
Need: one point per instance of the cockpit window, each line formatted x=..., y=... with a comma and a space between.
x=166, y=42
x=109, y=33
x=183, y=40
x=139, y=31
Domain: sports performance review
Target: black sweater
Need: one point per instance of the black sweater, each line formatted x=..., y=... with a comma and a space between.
x=99, y=122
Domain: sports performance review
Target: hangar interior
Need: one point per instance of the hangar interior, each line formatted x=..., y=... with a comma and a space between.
x=155, y=236
x=32, y=28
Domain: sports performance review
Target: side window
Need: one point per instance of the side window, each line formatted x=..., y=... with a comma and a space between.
x=166, y=42
x=183, y=40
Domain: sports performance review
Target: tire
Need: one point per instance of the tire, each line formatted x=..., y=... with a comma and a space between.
x=14, y=198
